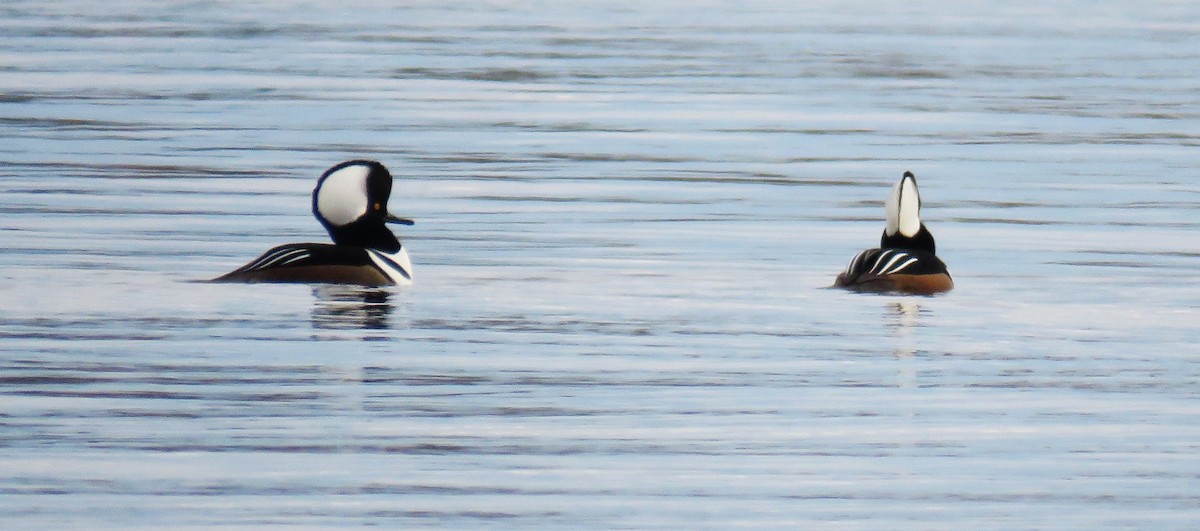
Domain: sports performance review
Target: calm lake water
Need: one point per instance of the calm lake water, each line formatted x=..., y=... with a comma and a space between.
x=627, y=216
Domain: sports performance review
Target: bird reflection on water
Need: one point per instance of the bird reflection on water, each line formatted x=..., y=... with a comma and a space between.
x=346, y=307
x=904, y=318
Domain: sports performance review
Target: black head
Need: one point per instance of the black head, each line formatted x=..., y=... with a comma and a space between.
x=350, y=201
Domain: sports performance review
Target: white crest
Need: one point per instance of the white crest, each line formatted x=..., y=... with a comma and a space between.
x=904, y=208
x=395, y=265
x=342, y=196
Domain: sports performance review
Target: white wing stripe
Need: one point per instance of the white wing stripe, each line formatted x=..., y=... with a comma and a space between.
x=900, y=267
x=286, y=256
x=293, y=259
x=854, y=262
x=891, y=258
x=880, y=262
x=884, y=269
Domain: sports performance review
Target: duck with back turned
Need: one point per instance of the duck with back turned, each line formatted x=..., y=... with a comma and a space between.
x=905, y=261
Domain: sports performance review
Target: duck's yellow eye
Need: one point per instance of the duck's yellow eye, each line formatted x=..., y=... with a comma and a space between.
x=378, y=206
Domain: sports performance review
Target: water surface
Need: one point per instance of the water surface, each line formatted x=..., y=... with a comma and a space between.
x=627, y=216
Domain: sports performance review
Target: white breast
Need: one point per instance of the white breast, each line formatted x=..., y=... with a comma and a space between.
x=395, y=265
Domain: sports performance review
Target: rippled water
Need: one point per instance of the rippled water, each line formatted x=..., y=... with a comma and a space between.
x=627, y=216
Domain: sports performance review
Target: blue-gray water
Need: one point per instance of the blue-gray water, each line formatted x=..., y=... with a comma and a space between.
x=627, y=213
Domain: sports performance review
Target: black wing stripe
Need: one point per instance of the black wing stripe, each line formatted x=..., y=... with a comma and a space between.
x=284, y=256
x=877, y=262
x=902, y=266
x=296, y=257
x=883, y=262
x=277, y=257
x=856, y=263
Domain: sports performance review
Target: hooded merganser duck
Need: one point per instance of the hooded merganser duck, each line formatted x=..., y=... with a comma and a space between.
x=350, y=201
x=905, y=261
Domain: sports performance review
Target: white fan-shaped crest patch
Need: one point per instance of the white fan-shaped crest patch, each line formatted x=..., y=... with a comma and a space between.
x=904, y=208
x=342, y=196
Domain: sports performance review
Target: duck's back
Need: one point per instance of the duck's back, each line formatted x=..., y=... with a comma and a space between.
x=896, y=270
x=311, y=263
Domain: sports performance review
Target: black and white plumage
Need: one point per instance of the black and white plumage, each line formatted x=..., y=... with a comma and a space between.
x=350, y=201
x=905, y=260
